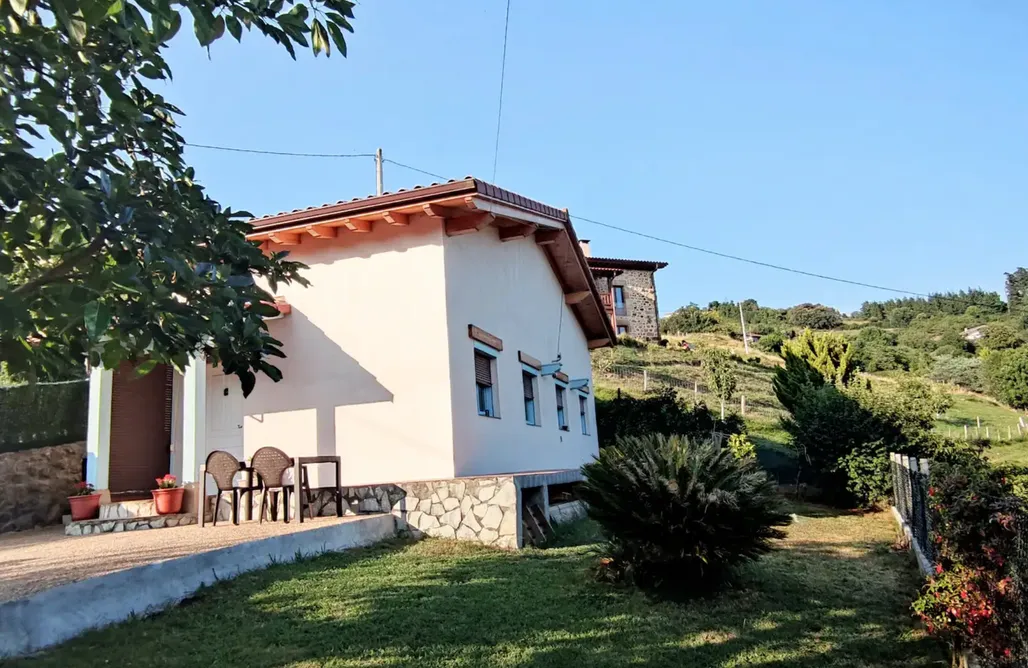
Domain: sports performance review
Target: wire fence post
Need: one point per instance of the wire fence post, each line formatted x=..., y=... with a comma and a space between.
x=696, y=393
x=742, y=405
x=646, y=380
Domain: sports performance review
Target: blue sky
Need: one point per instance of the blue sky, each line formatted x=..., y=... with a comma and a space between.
x=869, y=140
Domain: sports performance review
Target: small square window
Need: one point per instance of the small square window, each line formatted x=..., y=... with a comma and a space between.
x=622, y=329
x=484, y=384
x=562, y=421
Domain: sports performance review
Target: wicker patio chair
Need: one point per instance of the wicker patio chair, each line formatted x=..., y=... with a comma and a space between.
x=223, y=467
x=270, y=465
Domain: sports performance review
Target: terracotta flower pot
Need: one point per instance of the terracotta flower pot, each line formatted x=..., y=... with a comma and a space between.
x=86, y=507
x=168, y=501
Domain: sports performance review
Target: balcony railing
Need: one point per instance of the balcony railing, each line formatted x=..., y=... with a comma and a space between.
x=607, y=301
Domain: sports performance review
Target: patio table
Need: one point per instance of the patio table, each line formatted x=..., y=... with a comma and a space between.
x=299, y=463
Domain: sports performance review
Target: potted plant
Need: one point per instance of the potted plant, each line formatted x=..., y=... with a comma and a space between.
x=167, y=498
x=85, y=502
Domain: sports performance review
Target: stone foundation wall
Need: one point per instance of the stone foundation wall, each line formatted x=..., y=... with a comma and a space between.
x=34, y=485
x=482, y=510
x=640, y=303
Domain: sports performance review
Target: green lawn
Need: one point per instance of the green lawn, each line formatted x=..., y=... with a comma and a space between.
x=833, y=594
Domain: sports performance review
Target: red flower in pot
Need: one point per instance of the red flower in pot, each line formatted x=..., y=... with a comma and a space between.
x=167, y=498
x=84, y=501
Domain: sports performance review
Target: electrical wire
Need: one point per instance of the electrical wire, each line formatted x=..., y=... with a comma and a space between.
x=415, y=169
x=499, y=110
x=284, y=153
x=625, y=230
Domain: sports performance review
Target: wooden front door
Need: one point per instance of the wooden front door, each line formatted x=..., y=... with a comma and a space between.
x=140, y=428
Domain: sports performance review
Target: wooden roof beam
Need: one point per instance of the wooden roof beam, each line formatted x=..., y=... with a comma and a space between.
x=322, y=231
x=467, y=224
x=439, y=211
x=357, y=225
x=518, y=231
x=598, y=343
x=576, y=297
x=547, y=237
x=396, y=218
x=285, y=238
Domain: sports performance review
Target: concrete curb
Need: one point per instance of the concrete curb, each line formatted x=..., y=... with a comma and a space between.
x=55, y=615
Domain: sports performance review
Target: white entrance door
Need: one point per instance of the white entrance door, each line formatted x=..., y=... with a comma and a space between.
x=225, y=415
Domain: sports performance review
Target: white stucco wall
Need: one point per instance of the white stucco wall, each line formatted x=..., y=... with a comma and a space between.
x=509, y=290
x=367, y=373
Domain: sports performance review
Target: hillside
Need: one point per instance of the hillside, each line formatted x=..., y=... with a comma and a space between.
x=637, y=368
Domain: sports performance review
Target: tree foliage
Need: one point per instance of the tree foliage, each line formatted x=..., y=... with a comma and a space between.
x=814, y=316
x=1017, y=290
x=943, y=303
x=830, y=354
x=662, y=413
x=719, y=370
x=111, y=250
x=679, y=515
x=1006, y=376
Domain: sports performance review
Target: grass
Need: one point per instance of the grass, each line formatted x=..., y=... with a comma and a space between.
x=834, y=594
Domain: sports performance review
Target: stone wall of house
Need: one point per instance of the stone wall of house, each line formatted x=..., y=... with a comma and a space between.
x=483, y=510
x=641, y=303
x=34, y=485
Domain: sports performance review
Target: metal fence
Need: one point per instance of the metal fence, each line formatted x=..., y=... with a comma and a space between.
x=910, y=491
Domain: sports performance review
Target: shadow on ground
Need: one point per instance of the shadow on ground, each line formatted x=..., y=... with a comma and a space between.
x=810, y=604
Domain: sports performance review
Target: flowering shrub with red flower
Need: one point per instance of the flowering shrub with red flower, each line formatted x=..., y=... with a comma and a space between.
x=82, y=489
x=168, y=481
x=973, y=600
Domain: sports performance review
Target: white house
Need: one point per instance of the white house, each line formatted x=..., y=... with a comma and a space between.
x=445, y=337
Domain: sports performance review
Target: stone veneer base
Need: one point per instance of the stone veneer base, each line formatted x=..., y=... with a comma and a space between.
x=103, y=525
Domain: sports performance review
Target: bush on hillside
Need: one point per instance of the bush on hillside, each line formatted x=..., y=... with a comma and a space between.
x=690, y=319
x=630, y=342
x=1001, y=336
x=1006, y=376
x=814, y=316
x=965, y=372
x=843, y=434
x=662, y=413
x=771, y=342
x=875, y=349
x=679, y=516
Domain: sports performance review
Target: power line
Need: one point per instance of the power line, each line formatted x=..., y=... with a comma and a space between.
x=625, y=230
x=750, y=261
x=415, y=169
x=503, y=71
x=286, y=153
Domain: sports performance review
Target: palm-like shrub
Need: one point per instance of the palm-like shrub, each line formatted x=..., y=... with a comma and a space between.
x=679, y=516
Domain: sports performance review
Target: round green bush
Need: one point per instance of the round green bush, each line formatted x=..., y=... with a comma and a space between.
x=680, y=516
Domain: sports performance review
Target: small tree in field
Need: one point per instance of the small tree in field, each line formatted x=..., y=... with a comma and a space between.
x=721, y=375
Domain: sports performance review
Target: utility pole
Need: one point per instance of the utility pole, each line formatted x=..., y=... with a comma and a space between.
x=378, y=172
x=745, y=339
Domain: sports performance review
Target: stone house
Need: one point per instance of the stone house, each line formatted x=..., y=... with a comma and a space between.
x=629, y=292
x=425, y=354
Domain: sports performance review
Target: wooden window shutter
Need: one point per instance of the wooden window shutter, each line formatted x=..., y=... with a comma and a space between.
x=483, y=370
x=529, y=390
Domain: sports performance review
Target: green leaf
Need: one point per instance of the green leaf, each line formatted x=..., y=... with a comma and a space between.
x=115, y=7
x=77, y=30
x=234, y=27
x=97, y=320
x=337, y=37
x=146, y=367
x=319, y=40
x=19, y=6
